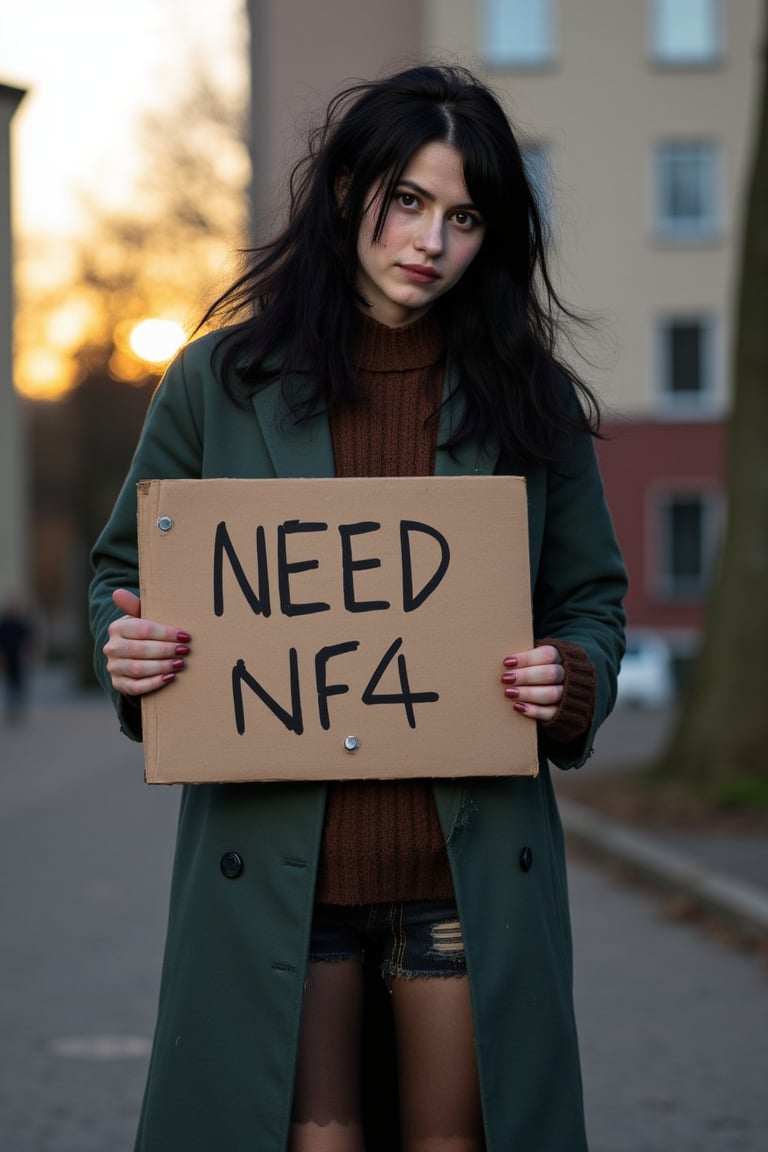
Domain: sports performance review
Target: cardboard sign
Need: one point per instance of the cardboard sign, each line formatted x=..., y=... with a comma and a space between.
x=341, y=629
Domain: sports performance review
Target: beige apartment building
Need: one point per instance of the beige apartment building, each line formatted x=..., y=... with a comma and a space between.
x=13, y=519
x=636, y=119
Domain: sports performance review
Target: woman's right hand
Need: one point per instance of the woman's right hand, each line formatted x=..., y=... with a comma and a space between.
x=142, y=655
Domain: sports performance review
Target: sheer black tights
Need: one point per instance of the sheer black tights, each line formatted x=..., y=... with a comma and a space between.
x=437, y=1071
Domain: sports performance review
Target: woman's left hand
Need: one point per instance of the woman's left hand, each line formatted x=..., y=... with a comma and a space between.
x=533, y=681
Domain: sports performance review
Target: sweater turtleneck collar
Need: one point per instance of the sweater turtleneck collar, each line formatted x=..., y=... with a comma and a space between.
x=381, y=349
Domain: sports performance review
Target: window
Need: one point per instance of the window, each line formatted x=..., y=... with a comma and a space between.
x=538, y=169
x=688, y=532
x=687, y=190
x=686, y=347
x=518, y=33
x=686, y=32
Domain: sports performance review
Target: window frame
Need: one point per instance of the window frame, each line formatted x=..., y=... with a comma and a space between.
x=667, y=587
x=667, y=60
x=692, y=230
x=497, y=60
x=687, y=405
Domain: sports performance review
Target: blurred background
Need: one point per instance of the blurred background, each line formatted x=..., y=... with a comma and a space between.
x=141, y=144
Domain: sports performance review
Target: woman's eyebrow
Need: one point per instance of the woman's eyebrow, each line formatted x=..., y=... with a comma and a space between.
x=413, y=186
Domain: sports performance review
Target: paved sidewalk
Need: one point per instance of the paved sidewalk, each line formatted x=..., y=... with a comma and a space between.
x=727, y=871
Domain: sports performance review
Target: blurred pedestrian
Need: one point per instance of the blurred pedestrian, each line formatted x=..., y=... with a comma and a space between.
x=16, y=635
x=403, y=323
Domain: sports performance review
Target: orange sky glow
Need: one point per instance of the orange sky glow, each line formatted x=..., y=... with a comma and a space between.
x=92, y=70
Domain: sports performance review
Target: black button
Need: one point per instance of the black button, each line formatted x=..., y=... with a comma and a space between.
x=526, y=859
x=231, y=865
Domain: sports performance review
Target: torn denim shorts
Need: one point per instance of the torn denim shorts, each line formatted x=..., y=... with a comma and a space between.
x=409, y=938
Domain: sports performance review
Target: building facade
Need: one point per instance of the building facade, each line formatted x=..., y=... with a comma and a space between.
x=635, y=118
x=14, y=561
x=301, y=54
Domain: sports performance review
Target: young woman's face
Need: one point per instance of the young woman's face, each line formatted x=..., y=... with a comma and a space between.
x=432, y=233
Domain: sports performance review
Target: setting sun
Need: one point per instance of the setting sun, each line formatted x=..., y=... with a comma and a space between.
x=156, y=341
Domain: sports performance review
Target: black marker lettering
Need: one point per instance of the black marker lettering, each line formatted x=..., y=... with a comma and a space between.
x=350, y=566
x=291, y=720
x=284, y=569
x=410, y=601
x=324, y=689
x=406, y=697
x=258, y=602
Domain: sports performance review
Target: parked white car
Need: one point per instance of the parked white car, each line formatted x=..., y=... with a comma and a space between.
x=646, y=677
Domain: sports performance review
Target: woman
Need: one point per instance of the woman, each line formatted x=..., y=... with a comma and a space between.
x=403, y=322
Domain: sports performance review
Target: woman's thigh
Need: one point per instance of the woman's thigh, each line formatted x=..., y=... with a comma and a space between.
x=439, y=1090
x=326, y=1108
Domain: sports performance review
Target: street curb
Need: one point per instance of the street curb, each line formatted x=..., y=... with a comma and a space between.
x=737, y=899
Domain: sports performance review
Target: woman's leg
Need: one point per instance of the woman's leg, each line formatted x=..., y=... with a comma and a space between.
x=439, y=1091
x=326, y=1105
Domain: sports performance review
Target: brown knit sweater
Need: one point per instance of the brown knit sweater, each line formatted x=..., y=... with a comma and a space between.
x=382, y=839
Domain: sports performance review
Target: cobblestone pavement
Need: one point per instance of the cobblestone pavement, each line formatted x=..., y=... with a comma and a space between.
x=674, y=1023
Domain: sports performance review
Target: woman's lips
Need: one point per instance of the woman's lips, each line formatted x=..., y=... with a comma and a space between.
x=420, y=273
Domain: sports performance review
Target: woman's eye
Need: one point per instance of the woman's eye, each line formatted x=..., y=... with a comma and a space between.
x=466, y=220
x=407, y=199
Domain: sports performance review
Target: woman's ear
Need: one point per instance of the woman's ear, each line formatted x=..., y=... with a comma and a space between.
x=341, y=188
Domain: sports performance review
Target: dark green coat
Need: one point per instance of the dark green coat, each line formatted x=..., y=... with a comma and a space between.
x=222, y=1067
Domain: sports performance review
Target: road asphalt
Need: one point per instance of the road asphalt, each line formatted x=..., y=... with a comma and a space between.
x=673, y=1023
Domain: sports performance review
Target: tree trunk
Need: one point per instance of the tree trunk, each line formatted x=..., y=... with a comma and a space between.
x=722, y=732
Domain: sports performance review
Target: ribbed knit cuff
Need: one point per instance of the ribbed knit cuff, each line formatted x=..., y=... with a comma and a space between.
x=577, y=707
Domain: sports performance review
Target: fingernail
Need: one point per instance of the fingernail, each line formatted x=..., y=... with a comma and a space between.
x=513, y=693
x=168, y=677
x=509, y=678
x=183, y=637
x=183, y=650
x=519, y=708
x=177, y=665
x=510, y=662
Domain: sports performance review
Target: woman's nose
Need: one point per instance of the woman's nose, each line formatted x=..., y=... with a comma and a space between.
x=430, y=238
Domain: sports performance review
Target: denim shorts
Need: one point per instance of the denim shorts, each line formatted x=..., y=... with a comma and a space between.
x=408, y=938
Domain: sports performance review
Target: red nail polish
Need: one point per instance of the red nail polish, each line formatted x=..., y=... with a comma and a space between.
x=168, y=677
x=510, y=662
x=509, y=678
x=183, y=637
x=183, y=650
x=177, y=665
x=512, y=693
x=519, y=708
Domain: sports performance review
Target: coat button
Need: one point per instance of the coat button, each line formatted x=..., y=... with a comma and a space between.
x=526, y=859
x=231, y=865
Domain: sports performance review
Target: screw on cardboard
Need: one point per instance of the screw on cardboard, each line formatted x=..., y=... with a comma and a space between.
x=342, y=629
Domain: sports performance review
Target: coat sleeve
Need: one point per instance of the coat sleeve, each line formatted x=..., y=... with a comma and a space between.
x=581, y=581
x=170, y=447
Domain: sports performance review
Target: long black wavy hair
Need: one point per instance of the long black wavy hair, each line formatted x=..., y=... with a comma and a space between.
x=297, y=295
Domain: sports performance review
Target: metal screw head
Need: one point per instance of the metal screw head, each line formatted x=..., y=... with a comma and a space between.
x=351, y=743
x=165, y=523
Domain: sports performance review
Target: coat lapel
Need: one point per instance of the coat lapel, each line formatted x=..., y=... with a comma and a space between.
x=296, y=449
x=467, y=458
x=304, y=449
